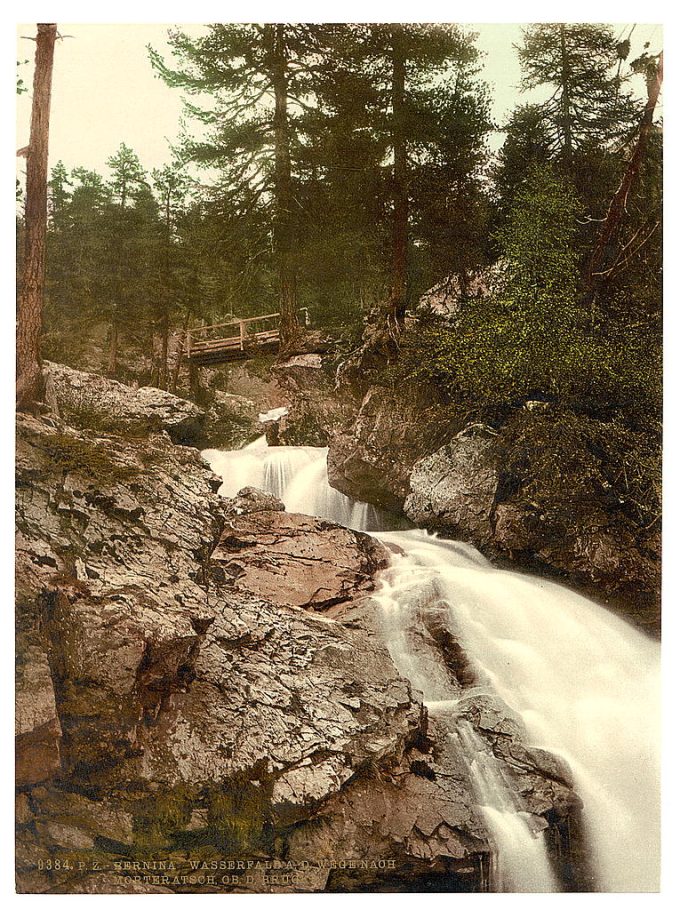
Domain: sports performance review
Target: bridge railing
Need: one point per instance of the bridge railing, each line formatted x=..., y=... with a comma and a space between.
x=233, y=333
x=244, y=332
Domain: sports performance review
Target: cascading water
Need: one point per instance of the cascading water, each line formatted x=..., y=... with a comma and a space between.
x=296, y=475
x=585, y=683
x=521, y=861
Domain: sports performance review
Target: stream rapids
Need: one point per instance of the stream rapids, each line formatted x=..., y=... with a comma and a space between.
x=584, y=682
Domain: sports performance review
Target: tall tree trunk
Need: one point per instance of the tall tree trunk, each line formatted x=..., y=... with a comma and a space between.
x=565, y=99
x=165, y=331
x=30, y=386
x=181, y=350
x=397, y=301
x=165, y=306
x=380, y=342
x=603, y=251
x=284, y=222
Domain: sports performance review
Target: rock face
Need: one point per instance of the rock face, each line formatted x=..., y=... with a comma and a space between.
x=110, y=406
x=230, y=421
x=371, y=459
x=456, y=486
x=205, y=700
x=297, y=561
x=541, y=491
x=164, y=672
x=315, y=412
x=106, y=404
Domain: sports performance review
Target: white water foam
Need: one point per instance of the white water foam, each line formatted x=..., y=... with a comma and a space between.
x=520, y=863
x=295, y=474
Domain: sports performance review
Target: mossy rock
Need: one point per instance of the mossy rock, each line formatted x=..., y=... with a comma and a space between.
x=239, y=814
x=74, y=454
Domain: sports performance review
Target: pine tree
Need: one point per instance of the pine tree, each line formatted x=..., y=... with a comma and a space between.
x=128, y=186
x=590, y=103
x=260, y=78
x=426, y=116
x=30, y=303
x=528, y=145
x=171, y=186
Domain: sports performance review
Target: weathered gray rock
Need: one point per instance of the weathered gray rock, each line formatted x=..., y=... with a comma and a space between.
x=250, y=499
x=454, y=489
x=540, y=491
x=415, y=820
x=106, y=405
x=205, y=706
x=371, y=458
x=177, y=692
x=295, y=560
x=446, y=298
x=110, y=406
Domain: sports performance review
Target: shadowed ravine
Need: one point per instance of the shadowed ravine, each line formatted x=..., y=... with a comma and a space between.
x=584, y=682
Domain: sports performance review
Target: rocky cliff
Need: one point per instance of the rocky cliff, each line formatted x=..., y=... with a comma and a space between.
x=555, y=492
x=205, y=701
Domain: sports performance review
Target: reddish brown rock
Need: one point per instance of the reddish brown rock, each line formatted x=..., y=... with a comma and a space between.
x=295, y=560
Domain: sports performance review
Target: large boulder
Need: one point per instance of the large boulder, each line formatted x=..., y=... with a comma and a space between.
x=90, y=400
x=547, y=490
x=295, y=560
x=106, y=405
x=445, y=299
x=455, y=487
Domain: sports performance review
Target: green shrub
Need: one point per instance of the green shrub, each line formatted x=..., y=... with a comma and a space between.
x=534, y=339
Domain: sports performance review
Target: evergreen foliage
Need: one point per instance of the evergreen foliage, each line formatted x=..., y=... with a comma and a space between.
x=532, y=340
x=134, y=257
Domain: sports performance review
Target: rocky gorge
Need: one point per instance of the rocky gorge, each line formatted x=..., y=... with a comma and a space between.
x=549, y=490
x=205, y=696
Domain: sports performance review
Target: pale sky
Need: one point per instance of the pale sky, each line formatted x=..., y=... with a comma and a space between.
x=105, y=92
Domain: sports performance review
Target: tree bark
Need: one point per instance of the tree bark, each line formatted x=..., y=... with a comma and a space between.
x=30, y=385
x=112, y=365
x=397, y=304
x=380, y=341
x=565, y=99
x=182, y=349
x=163, y=366
x=284, y=222
x=603, y=246
x=165, y=306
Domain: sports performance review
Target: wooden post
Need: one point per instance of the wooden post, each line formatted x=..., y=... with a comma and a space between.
x=242, y=332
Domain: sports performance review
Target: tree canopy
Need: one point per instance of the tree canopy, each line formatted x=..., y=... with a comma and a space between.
x=346, y=169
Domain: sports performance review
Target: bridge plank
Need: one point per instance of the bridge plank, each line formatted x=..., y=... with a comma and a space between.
x=205, y=350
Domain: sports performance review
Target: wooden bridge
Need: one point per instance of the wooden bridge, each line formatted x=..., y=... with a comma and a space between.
x=235, y=339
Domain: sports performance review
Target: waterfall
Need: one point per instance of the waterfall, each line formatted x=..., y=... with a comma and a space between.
x=584, y=682
x=296, y=475
x=520, y=863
